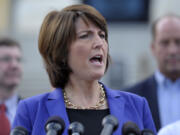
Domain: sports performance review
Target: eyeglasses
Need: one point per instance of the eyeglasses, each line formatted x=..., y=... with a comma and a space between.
x=8, y=59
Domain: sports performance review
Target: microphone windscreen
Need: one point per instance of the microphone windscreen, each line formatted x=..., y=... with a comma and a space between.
x=53, y=122
x=19, y=131
x=76, y=127
x=110, y=119
x=110, y=124
x=130, y=128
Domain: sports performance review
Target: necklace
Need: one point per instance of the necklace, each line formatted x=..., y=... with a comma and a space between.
x=99, y=104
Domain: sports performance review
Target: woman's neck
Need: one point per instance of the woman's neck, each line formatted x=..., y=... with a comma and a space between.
x=83, y=93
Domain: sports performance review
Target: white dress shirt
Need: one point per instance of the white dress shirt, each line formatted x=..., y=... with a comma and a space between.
x=168, y=99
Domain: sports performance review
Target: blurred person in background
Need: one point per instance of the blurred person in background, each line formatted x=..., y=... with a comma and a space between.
x=162, y=90
x=10, y=77
x=74, y=45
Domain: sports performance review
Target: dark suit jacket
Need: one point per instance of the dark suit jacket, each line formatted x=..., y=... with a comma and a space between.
x=32, y=113
x=148, y=89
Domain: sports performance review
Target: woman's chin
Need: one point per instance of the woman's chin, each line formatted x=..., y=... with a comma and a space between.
x=98, y=76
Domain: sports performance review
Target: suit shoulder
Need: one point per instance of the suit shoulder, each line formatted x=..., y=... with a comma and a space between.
x=141, y=85
x=128, y=96
x=34, y=100
x=131, y=96
x=134, y=101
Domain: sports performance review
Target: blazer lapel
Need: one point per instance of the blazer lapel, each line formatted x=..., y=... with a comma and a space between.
x=56, y=107
x=151, y=96
x=116, y=105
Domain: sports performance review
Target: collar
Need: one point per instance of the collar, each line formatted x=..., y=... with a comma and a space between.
x=164, y=81
x=11, y=104
x=57, y=93
x=160, y=78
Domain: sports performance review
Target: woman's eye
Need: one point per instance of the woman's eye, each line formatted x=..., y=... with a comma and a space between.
x=83, y=36
x=102, y=35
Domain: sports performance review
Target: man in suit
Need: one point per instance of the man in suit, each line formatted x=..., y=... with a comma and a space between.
x=10, y=77
x=162, y=90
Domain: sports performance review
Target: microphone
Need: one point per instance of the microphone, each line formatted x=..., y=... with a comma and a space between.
x=110, y=124
x=76, y=128
x=19, y=131
x=147, y=132
x=130, y=128
x=54, y=126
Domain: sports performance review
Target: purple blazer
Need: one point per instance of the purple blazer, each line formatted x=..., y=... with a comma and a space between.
x=33, y=112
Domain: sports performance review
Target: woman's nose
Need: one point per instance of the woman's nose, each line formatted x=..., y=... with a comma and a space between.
x=98, y=42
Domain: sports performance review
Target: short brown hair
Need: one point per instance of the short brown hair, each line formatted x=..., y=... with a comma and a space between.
x=58, y=32
x=9, y=42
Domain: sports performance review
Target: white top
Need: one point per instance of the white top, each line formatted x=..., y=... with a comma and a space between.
x=171, y=129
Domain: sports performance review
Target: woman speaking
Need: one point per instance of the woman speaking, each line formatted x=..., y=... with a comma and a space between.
x=73, y=43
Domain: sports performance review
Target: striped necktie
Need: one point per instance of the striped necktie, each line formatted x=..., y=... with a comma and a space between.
x=4, y=122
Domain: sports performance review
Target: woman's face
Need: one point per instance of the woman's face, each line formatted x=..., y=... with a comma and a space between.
x=88, y=53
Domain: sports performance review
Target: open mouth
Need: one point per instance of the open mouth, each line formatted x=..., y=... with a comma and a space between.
x=97, y=58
